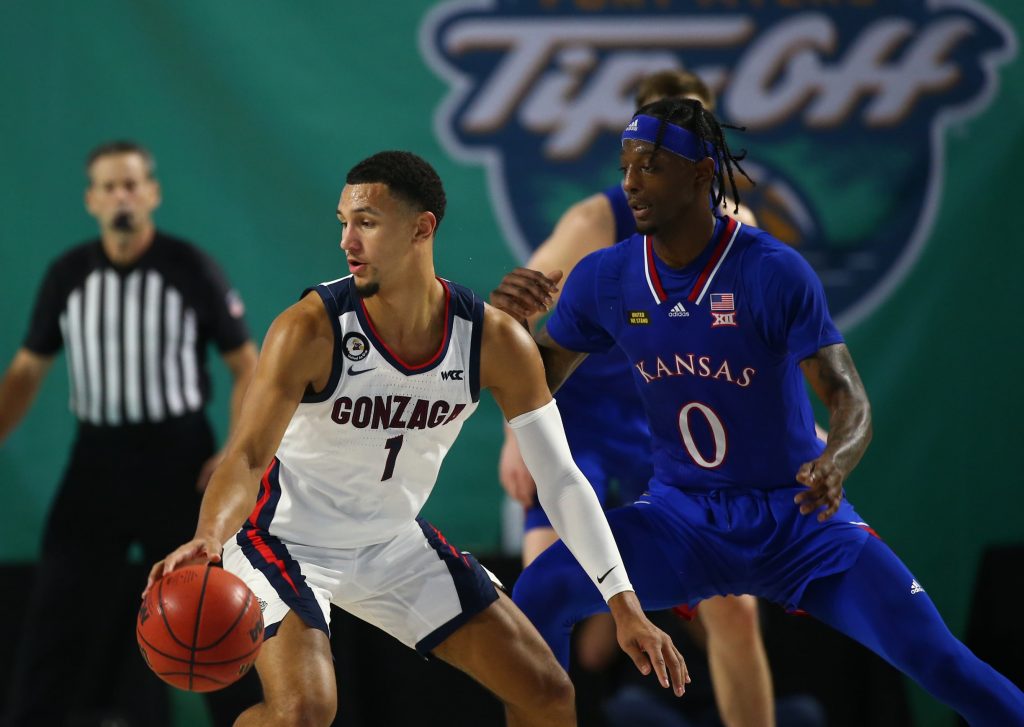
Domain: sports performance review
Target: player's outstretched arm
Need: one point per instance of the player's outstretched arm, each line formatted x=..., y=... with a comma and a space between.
x=511, y=368
x=526, y=294
x=834, y=378
x=296, y=354
x=558, y=362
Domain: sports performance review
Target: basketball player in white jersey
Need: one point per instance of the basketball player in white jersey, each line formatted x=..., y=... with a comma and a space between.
x=361, y=388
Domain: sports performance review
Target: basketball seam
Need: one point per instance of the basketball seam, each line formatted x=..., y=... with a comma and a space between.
x=238, y=619
x=164, y=654
x=163, y=615
x=195, y=631
x=198, y=676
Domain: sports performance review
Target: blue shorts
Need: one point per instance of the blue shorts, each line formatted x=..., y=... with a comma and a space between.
x=629, y=472
x=745, y=541
x=683, y=547
x=617, y=466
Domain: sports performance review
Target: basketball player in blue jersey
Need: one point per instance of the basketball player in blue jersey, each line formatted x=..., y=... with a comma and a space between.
x=722, y=323
x=360, y=390
x=610, y=441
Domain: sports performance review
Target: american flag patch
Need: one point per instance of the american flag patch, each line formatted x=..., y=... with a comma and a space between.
x=723, y=302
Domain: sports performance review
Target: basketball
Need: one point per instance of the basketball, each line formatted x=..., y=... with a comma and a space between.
x=200, y=628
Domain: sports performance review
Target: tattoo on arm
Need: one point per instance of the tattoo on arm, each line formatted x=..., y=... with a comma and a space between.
x=834, y=378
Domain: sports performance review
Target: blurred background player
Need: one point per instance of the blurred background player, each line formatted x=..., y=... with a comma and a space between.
x=135, y=311
x=360, y=391
x=610, y=441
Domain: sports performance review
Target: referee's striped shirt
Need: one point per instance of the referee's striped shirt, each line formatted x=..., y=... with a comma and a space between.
x=136, y=337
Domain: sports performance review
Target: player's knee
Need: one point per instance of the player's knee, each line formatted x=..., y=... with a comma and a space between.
x=936, y=661
x=555, y=694
x=312, y=709
x=732, y=620
x=545, y=590
x=533, y=595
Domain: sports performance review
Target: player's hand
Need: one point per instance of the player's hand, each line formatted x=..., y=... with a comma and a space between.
x=523, y=293
x=514, y=476
x=197, y=550
x=824, y=480
x=648, y=646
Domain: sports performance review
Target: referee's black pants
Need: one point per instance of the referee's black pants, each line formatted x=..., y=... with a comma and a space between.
x=77, y=660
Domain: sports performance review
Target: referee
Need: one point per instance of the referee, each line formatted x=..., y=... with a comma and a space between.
x=135, y=311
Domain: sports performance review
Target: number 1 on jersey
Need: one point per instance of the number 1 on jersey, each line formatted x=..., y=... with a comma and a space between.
x=393, y=445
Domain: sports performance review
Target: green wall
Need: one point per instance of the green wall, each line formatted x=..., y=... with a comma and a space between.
x=256, y=110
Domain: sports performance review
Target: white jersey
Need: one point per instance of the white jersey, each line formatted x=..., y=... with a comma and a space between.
x=360, y=458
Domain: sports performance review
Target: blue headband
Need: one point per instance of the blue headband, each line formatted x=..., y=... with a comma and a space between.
x=677, y=140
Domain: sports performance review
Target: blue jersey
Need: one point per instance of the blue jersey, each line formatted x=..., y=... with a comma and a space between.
x=714, y=348
x=601, y=410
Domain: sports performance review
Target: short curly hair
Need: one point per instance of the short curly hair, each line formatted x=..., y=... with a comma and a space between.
x=408, y=176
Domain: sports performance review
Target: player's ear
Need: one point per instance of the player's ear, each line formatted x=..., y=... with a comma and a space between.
x=157, y=193
x=426, y=223
x=704, y=171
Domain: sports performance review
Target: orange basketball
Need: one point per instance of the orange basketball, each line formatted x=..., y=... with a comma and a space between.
x=200, y=628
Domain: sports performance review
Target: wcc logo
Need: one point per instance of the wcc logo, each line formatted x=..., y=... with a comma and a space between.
x=846, y=110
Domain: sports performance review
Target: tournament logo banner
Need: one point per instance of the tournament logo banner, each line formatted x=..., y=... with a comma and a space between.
x=846, y=104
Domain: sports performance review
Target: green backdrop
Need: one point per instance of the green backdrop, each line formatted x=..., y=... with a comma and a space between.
x=256, y=110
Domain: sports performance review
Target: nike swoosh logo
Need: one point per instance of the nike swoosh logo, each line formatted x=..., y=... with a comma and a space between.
x=353, y=371
x=600, y=579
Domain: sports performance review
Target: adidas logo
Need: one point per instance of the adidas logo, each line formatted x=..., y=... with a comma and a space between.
x=632, y=125
x=678, y=311
x=915, y=587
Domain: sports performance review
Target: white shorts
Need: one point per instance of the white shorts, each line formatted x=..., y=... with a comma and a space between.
x=416, y=586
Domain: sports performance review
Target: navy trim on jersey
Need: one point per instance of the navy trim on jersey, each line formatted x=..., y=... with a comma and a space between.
x=475, y=588
x=382, y=347
x=466, y=305
x=270, y=556
x=270, y=494
x=335, y=297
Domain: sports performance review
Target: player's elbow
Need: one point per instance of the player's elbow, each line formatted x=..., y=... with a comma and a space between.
x=865, y=416
x=554, y=486
x=852, y=400
x=301, y=710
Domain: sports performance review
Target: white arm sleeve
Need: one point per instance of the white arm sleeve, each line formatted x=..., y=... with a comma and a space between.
x=568, y=499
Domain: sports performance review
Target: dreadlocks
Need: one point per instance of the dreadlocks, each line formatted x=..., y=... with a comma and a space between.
x=691, y=115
